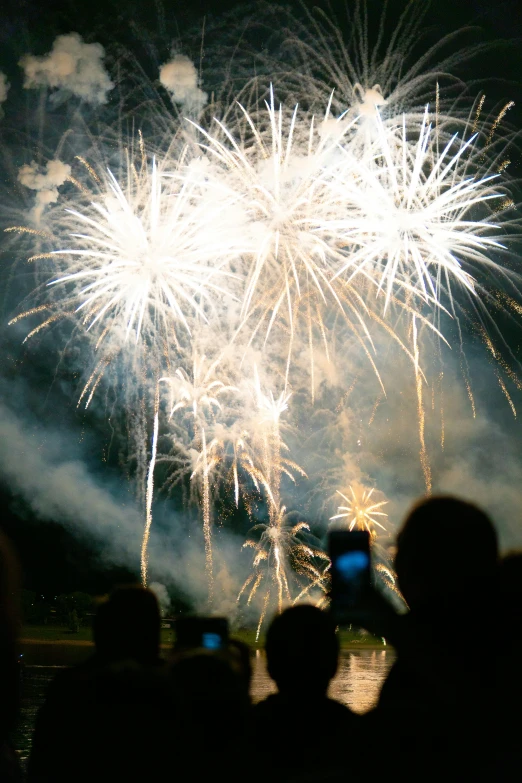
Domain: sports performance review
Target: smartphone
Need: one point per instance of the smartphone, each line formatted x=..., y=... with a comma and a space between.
x=209, y=633
x=349, y=552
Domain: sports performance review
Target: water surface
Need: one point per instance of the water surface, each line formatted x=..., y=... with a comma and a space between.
x=356, y=684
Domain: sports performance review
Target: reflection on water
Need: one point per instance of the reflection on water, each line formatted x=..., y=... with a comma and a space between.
x=356, y=684
x=34, y=688
x=360, y=676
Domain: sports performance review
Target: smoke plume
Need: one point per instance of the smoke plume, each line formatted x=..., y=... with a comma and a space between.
x=46, y=181
x=48, y=472
x=180, y=77
x=4, y=87
x=162, y=596
x=72, y=67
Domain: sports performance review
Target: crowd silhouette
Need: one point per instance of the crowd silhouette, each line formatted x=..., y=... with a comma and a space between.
x=128, y=714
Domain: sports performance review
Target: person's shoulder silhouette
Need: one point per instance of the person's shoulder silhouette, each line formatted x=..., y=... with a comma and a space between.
x=100, y=703
x=434, y=707
x=444, y=543
x=302, y=655
x=302, y=646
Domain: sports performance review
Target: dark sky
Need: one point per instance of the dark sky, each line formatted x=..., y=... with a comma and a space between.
x=53, y=559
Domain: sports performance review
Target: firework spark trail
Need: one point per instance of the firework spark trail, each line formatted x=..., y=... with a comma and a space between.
x=257, y=445
x=233, y=445
x=28, y=230
x=280, y=549
x=389, y=578
x=150, y=491
x=371, y=75
x=442, y=425
x=247, y=441
x=507, y=395
x=280, y=552
x=271, y=410
x=207, y=530
x=424, y=459
x=196, y=397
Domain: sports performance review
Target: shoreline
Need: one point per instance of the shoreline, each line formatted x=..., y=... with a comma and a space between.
x=71, y=652
x=86, y=643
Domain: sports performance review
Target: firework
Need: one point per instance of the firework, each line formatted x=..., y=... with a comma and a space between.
x=286, y=175
x=361, y=510
x=283, y=556
x=417, y=232
x=138, y=268
x=261, y=250
x=369, y=76
x=193, y=402
x=139, y=276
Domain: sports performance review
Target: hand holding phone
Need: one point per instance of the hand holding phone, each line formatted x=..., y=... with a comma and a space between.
x=349, y=552
x=208, y=633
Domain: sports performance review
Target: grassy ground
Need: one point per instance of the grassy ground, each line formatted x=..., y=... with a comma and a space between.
x=55, y=633
x=54, y=645
x=49, y=645
x=58, y=633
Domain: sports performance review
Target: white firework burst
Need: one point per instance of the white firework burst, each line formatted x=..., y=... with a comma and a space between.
x=424, y=220
x=282, y=174
x=360, y=511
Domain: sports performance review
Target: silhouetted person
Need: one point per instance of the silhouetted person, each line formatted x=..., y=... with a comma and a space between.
x=452, y=540
x=509, y=586
x=435, y=705
x=9, y=676
x=446, y=565
x=212, y=709
x=127, y=626
x=303, y=733
x=107, y=718
x=508, y=649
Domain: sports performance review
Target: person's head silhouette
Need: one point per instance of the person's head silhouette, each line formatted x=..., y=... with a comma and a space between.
x=302, y=650
x=446, y=548
x=128, y=626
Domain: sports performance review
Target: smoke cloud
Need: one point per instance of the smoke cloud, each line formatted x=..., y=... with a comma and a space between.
x=46, y=181
x=162, y=596
x=4, y=87
x=34, y=467
x=72, y=67
x=477, y=457
x=48, y=472
x=180, y=77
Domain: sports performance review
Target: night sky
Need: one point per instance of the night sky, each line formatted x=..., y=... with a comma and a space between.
x=55, y=559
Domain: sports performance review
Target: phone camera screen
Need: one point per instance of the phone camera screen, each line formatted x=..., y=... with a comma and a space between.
x=211, y=641
x=352, y=567
x=210, y=633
